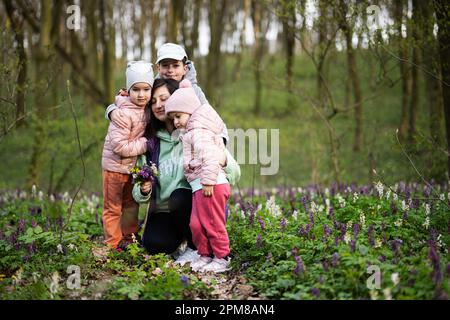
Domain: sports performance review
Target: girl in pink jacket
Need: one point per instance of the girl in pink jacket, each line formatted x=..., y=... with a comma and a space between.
x=203, y=151
x=120, y=151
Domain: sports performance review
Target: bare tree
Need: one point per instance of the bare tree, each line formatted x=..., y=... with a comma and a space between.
x=217, y=14
x=442, y=10
x=404, y=69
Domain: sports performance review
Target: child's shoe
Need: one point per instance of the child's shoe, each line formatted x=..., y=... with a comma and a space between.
x=200, y=263
x=217, y=265
x=188, y=255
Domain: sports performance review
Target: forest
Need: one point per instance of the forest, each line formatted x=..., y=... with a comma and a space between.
x=339, y=117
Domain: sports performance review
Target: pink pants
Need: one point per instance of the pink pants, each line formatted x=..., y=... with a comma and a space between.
x=208, y=224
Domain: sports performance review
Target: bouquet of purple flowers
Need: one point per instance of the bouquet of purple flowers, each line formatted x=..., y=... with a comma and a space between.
x=144, y=173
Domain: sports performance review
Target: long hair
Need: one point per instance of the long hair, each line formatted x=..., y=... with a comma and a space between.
x=153, y=124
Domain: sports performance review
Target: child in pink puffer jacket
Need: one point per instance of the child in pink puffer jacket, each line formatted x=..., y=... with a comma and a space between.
x=120, y=151
x=203, y=151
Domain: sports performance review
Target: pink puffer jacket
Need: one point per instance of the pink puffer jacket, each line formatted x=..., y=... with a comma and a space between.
x=122, y=146
x=203, y=147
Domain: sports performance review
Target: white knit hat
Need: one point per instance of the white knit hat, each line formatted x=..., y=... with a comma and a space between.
x=139, y=71
x=170, y=51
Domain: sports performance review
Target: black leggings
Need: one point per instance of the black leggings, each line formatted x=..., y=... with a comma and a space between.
x=165, y=231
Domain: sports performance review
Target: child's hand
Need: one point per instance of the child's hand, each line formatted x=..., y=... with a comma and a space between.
x=123, y=92
x=208, y=190
x=118, y=118
x=146, y=187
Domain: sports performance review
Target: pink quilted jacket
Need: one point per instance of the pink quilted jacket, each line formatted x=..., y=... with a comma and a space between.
x=122, y=146
x=203, y=147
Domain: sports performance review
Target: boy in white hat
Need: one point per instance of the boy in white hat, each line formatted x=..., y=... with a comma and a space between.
x=120, y=151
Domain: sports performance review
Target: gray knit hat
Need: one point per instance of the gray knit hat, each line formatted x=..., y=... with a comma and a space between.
x=139, y=71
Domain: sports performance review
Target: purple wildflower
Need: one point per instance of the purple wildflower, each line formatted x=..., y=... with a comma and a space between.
x=331, y=212
x=426, y=191
x=336, y=241
x=395, y=244
x=305, y=204
x=325, y=265
x=258, y=241
x=244, y=266
x=326, y=231
x=283, y=224
x=308, y=228
x=311, y=218
x=31, y=248
x=300, y=268
x=261, y=223
x=356, y=229
x=184, y=280
x=433, y=255
x=34, y=223
x=382, y=258
x=269, y=256
x=353, y=245
x=335, y=259
x=34, y=211
x=301, y=231
x=315, y=292
x=21, y=227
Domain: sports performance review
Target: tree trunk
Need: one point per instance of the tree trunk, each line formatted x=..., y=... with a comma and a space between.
x=289, y=21
x=194, y=32
x=217, y=12
x=258, y=53
x=322, y=20
x=414, y=103
x=353, y=75
x=154, y=28
x=42, y=58
x=106, y=12
x=238, y=65
x=18, y=28
x=432, y=85
x=175, y=16
x=442, y=10
x=404, y=70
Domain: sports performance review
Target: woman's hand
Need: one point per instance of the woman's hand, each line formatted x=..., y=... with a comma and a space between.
x=146, y=188
x=208, y=190
x=118, y=118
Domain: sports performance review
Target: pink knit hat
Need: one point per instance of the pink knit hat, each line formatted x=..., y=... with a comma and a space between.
x=183, y=99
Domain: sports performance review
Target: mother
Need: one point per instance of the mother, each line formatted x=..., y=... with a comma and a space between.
x=166, y=224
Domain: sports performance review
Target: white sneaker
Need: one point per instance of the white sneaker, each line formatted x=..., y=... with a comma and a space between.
x=217, y=265
x=188, y=255
x=200, y=262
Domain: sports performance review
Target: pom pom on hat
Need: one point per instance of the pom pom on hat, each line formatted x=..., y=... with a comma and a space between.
x=183, y=99
x=185, y=84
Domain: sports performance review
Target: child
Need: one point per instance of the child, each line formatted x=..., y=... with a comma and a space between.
x=203, y=151
x=120, y=151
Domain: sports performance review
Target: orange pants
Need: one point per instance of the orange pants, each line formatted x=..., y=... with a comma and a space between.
x=120, y=211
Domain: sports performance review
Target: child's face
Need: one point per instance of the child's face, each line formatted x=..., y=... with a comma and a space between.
x=180, y=119
x=172, y=69
x=140, y=94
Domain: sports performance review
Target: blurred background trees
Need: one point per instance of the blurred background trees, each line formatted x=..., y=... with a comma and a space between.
x=337, y=77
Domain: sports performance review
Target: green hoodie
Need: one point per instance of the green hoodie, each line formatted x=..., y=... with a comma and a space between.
x=171, y=175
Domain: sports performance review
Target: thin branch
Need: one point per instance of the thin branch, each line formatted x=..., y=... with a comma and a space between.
x=69, y=210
